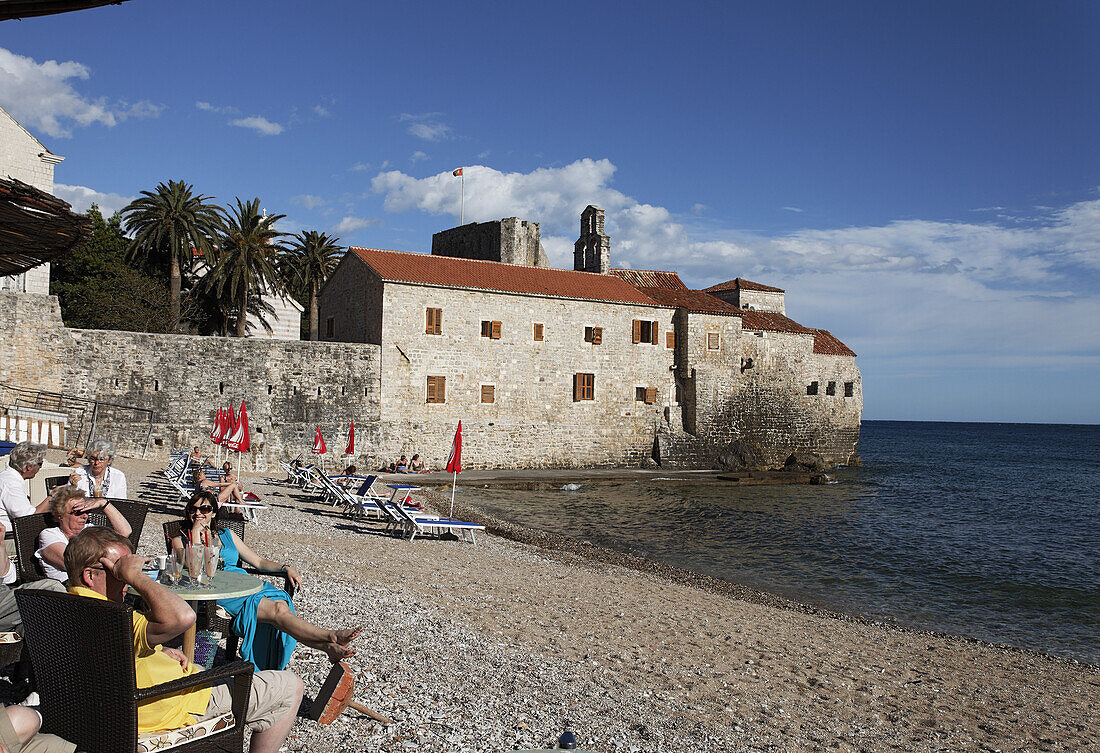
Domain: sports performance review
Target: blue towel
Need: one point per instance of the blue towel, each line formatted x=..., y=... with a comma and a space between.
x=262, y=644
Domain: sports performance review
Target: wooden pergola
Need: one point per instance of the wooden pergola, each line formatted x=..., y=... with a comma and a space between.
x=10, y=9
x=36, y=227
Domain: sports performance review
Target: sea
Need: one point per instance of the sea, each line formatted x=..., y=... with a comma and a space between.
x=984, y=530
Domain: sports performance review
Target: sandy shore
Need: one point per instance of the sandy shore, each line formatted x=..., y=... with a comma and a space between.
x=503, y=645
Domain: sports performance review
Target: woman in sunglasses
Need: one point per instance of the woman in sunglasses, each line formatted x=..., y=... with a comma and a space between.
x=70, y=509
x=265, y=621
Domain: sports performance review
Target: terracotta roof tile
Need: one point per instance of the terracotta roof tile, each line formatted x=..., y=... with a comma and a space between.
x=772, y=322
x=739, y=283
x=644, y=278
x=826, y=342
x=425, y=269
x=693, y=300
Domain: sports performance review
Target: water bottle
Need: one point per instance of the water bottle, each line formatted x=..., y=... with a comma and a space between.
x=567, y=741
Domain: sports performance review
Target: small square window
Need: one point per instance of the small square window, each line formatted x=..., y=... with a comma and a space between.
x=593, y=335
x=647, y=395
x=713, y=341
x=584, y=387
x=639, y=394
x=437, y=389
x=849, y=389
x=490, y=329
x=488, y=393
x=538, y=332
x=830, y=388
x=645, y=332
x=811, y=388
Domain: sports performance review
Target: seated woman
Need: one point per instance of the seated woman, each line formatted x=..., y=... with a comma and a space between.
x=70, y=509
x=402, y=465
x=265, y=622
x=416, y=465
x=100, y=478
x=349, y=481
x=227, y=491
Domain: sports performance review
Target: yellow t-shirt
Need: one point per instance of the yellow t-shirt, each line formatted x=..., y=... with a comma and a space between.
x=152, y=667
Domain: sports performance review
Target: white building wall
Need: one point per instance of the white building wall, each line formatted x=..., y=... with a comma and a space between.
x=23, y=157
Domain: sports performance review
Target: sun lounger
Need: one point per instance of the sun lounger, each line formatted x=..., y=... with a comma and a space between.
x=421, y=525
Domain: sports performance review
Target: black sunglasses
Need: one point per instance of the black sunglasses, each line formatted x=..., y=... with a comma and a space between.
x=201, y=508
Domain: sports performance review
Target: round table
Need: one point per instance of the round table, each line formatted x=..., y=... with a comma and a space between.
x=226, y=584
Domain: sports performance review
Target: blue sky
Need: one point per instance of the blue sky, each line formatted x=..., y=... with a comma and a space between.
x=922, y=178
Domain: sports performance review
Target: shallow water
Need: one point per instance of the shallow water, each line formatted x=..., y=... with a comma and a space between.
x=983, y=530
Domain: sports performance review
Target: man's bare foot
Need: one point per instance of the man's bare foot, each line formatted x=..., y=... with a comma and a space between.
x=337, y=648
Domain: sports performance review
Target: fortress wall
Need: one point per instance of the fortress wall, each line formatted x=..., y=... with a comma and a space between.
x=352, y=300
x=289, y=387
x=534, y=421
x=767, y=401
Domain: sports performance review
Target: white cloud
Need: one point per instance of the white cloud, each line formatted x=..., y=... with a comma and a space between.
x=426, y=126
x=41, y=96
x=418, y=156
x=259, y=124
x=309, y=201
x=351, y=224
x=946, y=289
x=82, y=197
x=360, y=166
x=321, y=112
x=698, y=209
x=794, y=209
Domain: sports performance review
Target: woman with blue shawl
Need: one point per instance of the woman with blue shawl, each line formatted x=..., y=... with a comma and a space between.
x=265, y=621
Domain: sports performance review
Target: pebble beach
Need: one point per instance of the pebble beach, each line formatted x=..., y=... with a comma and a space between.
x=503, y=645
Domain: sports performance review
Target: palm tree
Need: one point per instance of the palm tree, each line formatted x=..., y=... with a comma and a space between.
x=247, y=258
x=307, y=264
x=172, y=221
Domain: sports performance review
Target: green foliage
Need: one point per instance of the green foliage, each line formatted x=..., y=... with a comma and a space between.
x=168, y=224
x=247, y=259
x=305, y=266
x=99, y=289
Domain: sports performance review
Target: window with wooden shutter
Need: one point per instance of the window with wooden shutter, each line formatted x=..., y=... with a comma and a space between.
x=494, y=332
x=433, y=321
x=636, y=331
x=639, y=394
x=670, y=339
x=712, y=341
x=654, y=332
x=538, y=332
x=486, y=329
x=650, y=395
x=488, y=393
x=593, y=335
x=437, y=389
x=584, y=387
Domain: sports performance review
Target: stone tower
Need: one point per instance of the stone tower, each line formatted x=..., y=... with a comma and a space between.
x=511, y=240
x=592, y=251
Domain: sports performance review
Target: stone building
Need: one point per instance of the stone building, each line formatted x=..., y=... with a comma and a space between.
x=510, y=240
x=592, y=366
x=24, y=158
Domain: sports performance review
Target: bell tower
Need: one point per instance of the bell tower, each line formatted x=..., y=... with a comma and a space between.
x=592, y=251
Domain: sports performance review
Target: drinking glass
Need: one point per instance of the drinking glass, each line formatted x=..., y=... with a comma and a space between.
x=195, y=563
x=212, y=560
x=176, y=563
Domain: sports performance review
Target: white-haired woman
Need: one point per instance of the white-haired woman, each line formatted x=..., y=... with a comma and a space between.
x=98, y=478
x=23, y=464
x=70, y=509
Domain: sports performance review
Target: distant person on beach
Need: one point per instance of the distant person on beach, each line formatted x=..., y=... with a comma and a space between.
x=101, y=565
x=225, y=489
x=197, y=458
x=416, y=465
x=70, y=509
x=402, y=465
x=98, y=478
x=265, y=621
x=348, y=479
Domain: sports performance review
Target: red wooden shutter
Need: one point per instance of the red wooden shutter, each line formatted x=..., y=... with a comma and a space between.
x=637, y=330
x=495, y=333
x=655, y=332
x=441, y=389
x=597, y=335
x=576, y=387
x=431, y=389
x=651, y=395
x=670, y=339
x=538, y=332
x=486, y=329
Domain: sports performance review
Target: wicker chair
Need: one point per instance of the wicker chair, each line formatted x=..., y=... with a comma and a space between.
x=88, y=688
x=209, y=619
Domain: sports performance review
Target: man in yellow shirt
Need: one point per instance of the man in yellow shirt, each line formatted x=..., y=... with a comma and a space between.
x=101, y=565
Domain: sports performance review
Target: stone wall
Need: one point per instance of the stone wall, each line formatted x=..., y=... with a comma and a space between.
x=755, y=386
x=350, y=309
x=533, y=421
x=511, y=240
x=290, y=387
x=754, y=300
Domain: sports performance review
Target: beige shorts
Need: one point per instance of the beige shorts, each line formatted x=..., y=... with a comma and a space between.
x=38, y=744
x=274, y=692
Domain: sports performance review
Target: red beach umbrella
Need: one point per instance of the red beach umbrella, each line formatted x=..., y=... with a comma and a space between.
x=454, y=464
x=319, y=443
x=350, y=449
x=240, y=441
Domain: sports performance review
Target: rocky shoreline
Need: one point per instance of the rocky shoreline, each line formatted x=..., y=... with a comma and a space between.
x=503, y=645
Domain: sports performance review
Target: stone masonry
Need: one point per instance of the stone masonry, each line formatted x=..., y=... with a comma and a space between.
x=511, y=240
